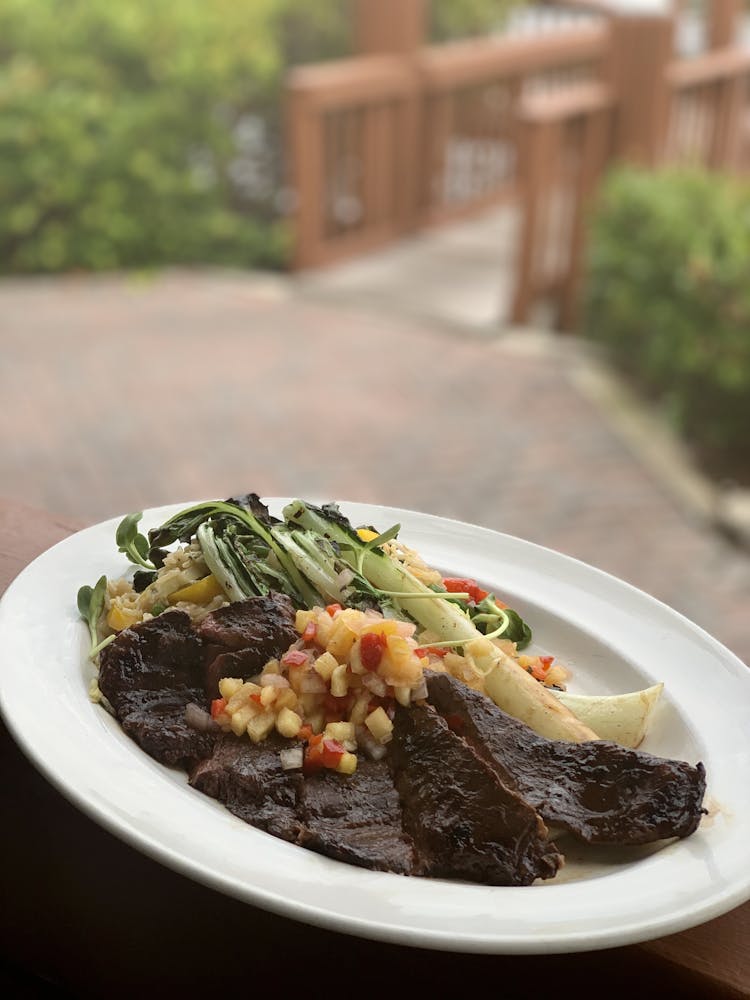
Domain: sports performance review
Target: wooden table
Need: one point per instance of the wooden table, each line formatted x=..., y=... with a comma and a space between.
x=86, y=915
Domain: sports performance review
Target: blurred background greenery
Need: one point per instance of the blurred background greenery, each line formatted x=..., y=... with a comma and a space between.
x=668, y=299
x=150, y=132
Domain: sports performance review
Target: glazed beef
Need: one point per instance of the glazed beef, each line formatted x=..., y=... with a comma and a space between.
x=465, y=823
x=249, y=779
x=163, y=654
x=356, y=818
x=469, y=804
x=241, y=638
x=156, y=721
x=262, y=623
x=599, y=790
x=149, y=674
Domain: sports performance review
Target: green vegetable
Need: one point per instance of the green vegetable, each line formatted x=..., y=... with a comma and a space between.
x=90, y=602
x=517, y=631
x=133, y=544
x=249, y=513
x=321, y=562
x=316, y=557
x=442, y=616
x=505, y=622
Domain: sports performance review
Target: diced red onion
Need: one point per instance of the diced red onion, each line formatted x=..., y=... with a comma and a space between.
x=292, y=758
x=372, y=747
x=419, y=692
x=276, y=681
x=375, y=684
x=312, y=683
x=198, y=718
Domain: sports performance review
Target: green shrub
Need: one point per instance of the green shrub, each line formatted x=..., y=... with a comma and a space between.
x=668, y=297
x=148, y=131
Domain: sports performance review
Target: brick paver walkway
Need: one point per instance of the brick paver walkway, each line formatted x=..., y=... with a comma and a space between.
x=118, y=394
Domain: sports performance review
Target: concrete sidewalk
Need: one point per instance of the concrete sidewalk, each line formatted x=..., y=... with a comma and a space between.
x=119, y=394
x=459, y=277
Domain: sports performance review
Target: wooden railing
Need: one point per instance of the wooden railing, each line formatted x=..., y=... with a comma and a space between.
x=469, y=111
x=385, y=143
x=567, y=138
x=710, y=98
x=700, y=115
x=381, y=145
x=352, y=144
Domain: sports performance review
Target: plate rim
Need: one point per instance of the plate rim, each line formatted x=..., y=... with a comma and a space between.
x=569, y=941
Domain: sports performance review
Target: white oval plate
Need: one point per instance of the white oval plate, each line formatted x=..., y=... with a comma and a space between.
x=615, y=638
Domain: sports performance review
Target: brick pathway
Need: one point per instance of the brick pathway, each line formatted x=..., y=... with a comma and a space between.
x=119, y=394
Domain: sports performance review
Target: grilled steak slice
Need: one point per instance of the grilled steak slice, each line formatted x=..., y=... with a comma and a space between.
x=604, y=793
x=242, y=637
x=464, y=822
x=149, y=674
x=356, y=818
x=156, y=721
x=249, y=779
x=242, y=663
x=262, y=623
x=161, y=654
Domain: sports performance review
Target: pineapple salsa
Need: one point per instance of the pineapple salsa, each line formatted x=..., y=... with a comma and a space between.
x=336, y=688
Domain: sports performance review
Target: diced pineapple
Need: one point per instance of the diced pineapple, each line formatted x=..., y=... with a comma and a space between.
x=341, y=731
x=401, y=666
x=241, y=696
x=325, y=665
x=268, y=695
x=324, y=632
x=355, y=659
x=403, y=696
x=379, y=725
x=288, y=722
x=359, y=710
x=285, y=698
x=272, y=667
x=339, y=681
x=260, y=725
x=302, y=620
x=240, y=719
x=342, y=639
x=229, y=686
x=386, y=626
x=347, y=764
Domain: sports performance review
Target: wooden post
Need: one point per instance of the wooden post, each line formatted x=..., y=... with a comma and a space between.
x=642, y=47
x=389, y=26
x=592, y=165
x=722, y=20
x=305, y=146
x=398, y=27
x=724, y=152
x=539, y=148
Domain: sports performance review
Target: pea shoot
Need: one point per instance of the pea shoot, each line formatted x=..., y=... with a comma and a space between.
x=90, y=605
x=131, y=542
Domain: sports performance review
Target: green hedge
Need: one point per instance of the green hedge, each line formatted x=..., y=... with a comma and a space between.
x=147, y=131
x=668, y=297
